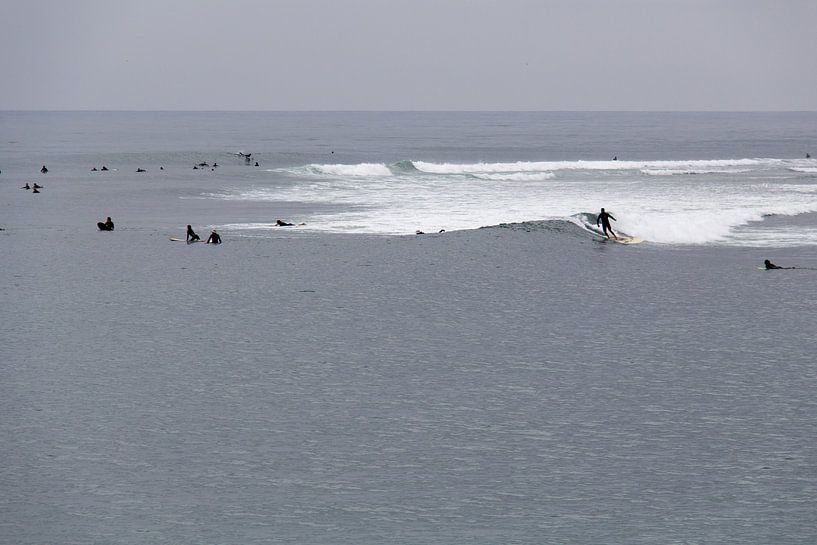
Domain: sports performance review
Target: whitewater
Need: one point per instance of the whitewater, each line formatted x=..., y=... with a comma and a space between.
x=707, y=201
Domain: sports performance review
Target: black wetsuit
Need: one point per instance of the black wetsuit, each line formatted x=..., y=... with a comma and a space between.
x=214, y=238
x=605, y=218
x=191, y=236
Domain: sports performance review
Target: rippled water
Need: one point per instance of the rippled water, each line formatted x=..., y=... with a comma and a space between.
x=515, y=384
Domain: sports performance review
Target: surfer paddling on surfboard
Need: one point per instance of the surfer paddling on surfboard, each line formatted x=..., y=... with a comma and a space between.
x=605, y=218
x=769, y=266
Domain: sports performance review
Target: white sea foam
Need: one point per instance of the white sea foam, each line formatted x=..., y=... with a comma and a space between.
x=550, y=166
x=378, y=198
x=357, y=170
x=674, y=172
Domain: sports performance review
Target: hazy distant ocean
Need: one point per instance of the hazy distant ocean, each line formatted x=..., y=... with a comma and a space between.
x=347, y=381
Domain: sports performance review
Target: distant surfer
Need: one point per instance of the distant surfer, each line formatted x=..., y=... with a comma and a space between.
x=808, y=156
x=43, y=170
x=282, y=223
x=26, y=186
x=256, y=163
x=94, y=169
x=214, y=238
x=770, y=266
x=37, y=186
x=104, y=168
x=615, y=158
x=191, y=235
x=604, y=218
x=107, y=225
x=141, y=170
x=35, y=190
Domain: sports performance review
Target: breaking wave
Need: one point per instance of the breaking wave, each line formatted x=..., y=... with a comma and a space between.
x=397, y=198
x=546, y=170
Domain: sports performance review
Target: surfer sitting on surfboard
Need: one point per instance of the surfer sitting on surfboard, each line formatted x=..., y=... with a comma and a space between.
x=191, y=235
x=605, y=218
x=107, y=226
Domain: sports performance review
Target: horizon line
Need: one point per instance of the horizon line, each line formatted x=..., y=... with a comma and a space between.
x=84, y=110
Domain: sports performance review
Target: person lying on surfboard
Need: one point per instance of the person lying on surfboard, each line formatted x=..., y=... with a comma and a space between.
x=770, y=266
x=605, y=218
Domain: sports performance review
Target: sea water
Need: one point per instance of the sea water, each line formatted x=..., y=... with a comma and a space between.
x=678, y=178
x=347, y=381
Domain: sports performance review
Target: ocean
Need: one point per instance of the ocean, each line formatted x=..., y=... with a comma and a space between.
x=507, y=376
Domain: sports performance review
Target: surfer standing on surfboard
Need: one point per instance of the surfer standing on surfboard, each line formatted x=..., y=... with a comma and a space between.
x=605, y=218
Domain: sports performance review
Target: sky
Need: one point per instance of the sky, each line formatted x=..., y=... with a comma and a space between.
x=548, y=55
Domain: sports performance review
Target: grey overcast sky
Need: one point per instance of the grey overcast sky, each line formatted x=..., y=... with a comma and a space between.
x=408, y=55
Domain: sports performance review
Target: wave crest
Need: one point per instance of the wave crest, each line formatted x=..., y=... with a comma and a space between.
x=359, y=170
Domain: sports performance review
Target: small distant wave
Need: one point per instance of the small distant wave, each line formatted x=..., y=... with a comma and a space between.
x=404, y=166
x=806, y=170
x=716, y=165
x=517, y=176
x=360, y=170
x=539, y=170
x=691, y=172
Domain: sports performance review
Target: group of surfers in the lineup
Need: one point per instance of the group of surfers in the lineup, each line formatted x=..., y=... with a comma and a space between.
x=36, y=187
x=214, y=237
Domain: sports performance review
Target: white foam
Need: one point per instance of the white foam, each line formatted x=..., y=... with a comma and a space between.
x=550, y=166
x=374, y=198
x=357, y=170
x=674, y=172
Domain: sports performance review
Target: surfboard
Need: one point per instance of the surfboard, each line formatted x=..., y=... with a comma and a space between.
x=183, y=240
x=627, y=240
